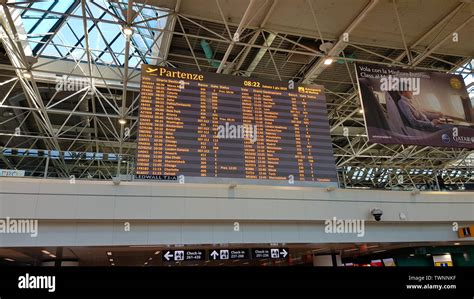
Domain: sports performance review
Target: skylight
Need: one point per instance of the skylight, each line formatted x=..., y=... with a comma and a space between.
x=468, y=78
x=52, y=33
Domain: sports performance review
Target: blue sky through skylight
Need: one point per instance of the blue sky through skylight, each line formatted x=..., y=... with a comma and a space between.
x=105, y=35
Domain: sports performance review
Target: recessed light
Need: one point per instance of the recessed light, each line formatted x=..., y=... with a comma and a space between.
x=428, y=254
x=27, y=75
x=157, y=252
x=457, y=243
x=109, y=252
x=411, y=254
x=111, y=260
x=9, y=259
x=46, y=252
x=361, y=111
x=150, y=259
x=146, y=263
x=113, y=264
x=122, y=121
x=52, y=255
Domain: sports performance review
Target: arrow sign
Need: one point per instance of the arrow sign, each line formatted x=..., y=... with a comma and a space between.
x=269, y=253
x=184, y=255
x=229, y=254
x=168, y=255
x=214, y=255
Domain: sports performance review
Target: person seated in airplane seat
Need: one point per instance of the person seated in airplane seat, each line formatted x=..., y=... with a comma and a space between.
x=422, y=120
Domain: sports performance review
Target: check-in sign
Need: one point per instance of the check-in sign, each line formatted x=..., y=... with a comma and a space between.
x=228, y=254
x=183, y=255
x=269, y=253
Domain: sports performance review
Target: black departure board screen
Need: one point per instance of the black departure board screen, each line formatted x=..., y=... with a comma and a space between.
x=210, y=125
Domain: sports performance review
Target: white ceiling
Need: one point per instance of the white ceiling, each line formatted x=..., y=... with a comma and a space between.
x=379, y=28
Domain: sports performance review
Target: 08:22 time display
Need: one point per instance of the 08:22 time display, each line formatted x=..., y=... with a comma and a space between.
x=252, y=83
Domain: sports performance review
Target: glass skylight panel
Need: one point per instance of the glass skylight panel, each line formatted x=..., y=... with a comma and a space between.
x=105, y=35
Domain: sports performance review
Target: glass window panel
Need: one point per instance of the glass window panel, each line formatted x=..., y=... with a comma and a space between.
x=69, y=35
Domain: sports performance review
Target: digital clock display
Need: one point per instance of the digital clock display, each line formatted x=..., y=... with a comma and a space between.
x=252, y=83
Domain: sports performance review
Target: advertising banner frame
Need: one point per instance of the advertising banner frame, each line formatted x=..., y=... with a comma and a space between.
x=411, y=107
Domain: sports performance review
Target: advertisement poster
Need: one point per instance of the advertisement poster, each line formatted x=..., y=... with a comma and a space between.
x=403, y=106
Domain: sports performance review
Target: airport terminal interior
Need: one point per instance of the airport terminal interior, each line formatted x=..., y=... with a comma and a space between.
x=237, y=133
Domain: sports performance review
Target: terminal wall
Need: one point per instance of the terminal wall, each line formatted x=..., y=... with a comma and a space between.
x=96, y=213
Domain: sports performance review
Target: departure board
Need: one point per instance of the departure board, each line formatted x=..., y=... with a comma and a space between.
x=209, y=125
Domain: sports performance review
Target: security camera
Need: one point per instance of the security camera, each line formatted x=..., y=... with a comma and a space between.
x=377, y=213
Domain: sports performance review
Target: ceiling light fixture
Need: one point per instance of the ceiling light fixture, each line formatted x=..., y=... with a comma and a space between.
x=350, y=249
x=122, y=121
x=127, y=30
x=9, y=259
x=27, y=75
x=361, y=111
x=157, y=252
x=46, y=252
x=109, y=253
x=328, y=61
x=457, y=243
